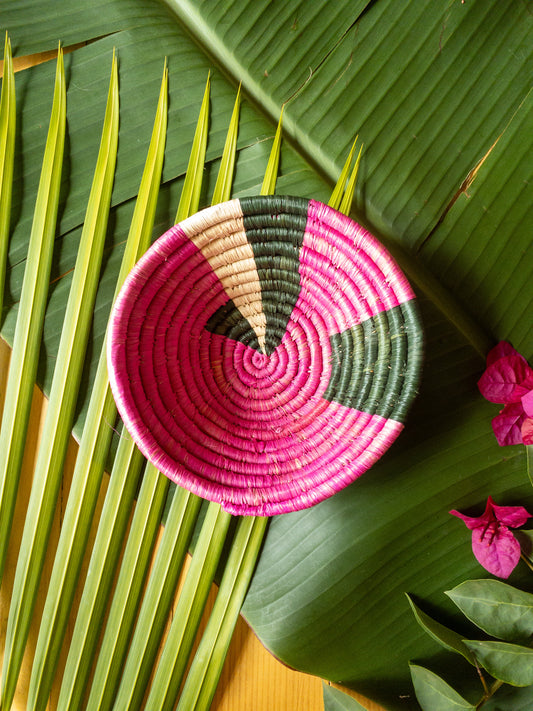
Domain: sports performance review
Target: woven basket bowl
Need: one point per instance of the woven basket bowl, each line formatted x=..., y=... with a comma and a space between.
x=264, y=352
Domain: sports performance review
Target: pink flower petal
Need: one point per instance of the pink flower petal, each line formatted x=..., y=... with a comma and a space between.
x=527, y=403
x=506, y=380
x=507, y=425
x=527, y=384
x=500, y=351
x=527, y=430
x=470, y=522
x=498, y=553
x=482, y=521
x=512, y=516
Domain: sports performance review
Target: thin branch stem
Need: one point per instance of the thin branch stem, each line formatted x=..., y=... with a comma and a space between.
x=527, y=561
x=489, y=693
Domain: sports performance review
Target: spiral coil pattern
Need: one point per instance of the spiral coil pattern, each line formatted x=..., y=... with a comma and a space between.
x=264, y=352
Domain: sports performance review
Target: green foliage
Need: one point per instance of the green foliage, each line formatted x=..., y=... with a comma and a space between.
x=29, y=324
x=510, y=698
x=94, y=444
x=7, y=157
x=497, y=608
x=500, y=610
x=335, y=700
x=434, y=694
x=59, y=417
x=446, y=637
x=510, y=663
x=441, y=99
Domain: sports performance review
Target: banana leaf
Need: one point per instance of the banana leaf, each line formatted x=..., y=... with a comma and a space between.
x=440, y=95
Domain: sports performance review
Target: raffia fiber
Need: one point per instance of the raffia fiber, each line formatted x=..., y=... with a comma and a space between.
x=264, y=353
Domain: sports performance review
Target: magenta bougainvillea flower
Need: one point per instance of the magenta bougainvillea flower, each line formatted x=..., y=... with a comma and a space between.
x=493, y=544
x=508, y=380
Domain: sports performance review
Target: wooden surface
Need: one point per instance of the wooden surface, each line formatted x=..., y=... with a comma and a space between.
x=252, y=679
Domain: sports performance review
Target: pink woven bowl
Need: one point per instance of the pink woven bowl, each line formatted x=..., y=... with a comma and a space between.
x=264, y=352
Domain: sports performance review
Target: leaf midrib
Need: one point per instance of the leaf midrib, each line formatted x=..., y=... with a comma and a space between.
x=210, y=43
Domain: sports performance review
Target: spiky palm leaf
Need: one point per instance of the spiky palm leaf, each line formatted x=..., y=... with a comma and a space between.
x=91, y=458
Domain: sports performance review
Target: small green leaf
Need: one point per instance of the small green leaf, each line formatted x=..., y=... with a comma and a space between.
x=443, y=635
x=222, y=191
x=497, y=608
x=510, y=663
x=335, y=700
x=434, y=694
x=271, y=174
x=190, y=195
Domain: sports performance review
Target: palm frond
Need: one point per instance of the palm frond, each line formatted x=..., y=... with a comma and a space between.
x=189, y=609
x=271, y=174
x=94, y=444
x=112, y=527
x=26, y=344
x=7, y=158
x=135, y=565
x=342, y=195
x=190, y=195
x=60, y=412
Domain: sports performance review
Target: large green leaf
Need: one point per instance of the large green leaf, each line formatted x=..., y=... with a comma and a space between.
x=439, y=95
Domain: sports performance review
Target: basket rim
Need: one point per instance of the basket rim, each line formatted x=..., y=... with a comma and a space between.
x=250, y=486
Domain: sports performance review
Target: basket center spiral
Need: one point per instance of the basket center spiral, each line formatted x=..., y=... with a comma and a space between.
x=263, y=353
